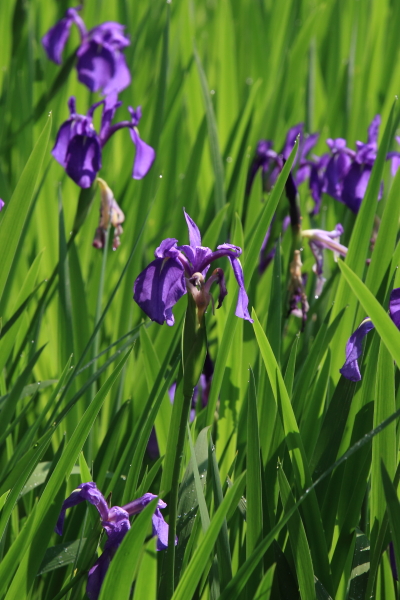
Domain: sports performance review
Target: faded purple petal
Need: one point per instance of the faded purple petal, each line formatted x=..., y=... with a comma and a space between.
x=350, y=369
x=308, y=144
x=144, y=157
x=158, y=288
x=373, y=130
x=194, y=233
x=394, y=307
x=85, y=491
x=291, y=138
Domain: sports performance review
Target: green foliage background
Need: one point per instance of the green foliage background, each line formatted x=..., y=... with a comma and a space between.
x=83, y=376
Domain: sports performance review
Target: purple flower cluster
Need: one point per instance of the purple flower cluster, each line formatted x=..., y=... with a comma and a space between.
x=115, y=522
x=101, y=67
x=342, y=173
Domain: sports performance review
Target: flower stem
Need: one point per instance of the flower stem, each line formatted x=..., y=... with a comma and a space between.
x=96, y=341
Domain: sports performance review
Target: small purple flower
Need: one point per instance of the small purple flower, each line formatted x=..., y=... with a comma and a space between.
x=101, y=64
x=78, y=146
x=350, y=369
x=177, y=269
x=2, y=203
x=116, y=523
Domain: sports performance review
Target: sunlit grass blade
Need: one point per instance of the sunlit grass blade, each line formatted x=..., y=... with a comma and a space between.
x=13, y=221
x=192, y=574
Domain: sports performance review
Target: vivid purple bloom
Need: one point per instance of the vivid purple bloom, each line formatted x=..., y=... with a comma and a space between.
x=347, y=172
x=78, y=146
x=177, y=269
x=101, y=64
x=116, y=523
x=350, y=369
x=2, y=203
x=271, y=163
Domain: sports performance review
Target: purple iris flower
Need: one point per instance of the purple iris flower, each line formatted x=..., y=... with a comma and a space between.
x=101, y=64
x=177, y=269
x=116, y=523
x=350, y=369
x=347, y=171
x=271, y=162
x=78, y=146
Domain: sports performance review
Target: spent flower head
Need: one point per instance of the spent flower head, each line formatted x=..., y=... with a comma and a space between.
x=110, y=214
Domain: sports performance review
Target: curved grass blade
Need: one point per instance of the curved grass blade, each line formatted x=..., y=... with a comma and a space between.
x=384, y=325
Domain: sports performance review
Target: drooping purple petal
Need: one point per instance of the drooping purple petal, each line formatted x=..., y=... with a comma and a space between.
x=97, y=574
x=243, y=299
x=394, y=307
x=158, y=288
x=85, y=491
x=160, y=529
x=83, y=159
x=144, y=156
x=350, y=369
